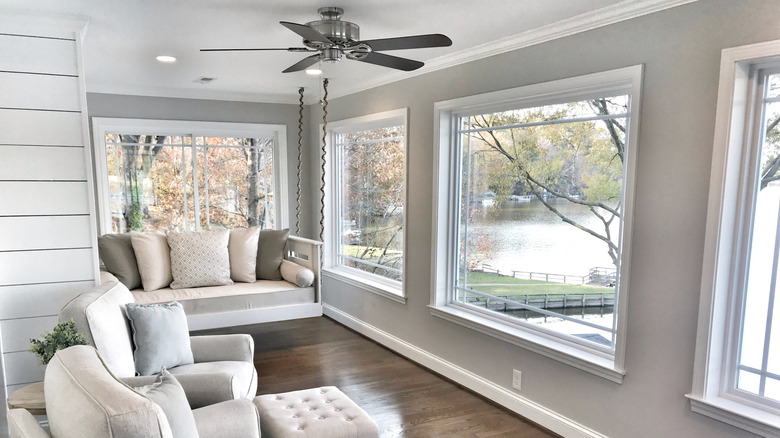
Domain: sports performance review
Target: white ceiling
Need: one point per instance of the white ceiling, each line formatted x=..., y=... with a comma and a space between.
x=124, y=36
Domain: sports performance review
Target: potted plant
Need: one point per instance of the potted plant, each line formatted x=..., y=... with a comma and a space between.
x=63, y=335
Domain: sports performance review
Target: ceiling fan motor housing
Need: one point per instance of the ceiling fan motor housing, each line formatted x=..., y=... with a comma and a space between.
x=343, y=34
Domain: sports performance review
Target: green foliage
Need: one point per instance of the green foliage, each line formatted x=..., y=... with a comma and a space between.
x=63, y=335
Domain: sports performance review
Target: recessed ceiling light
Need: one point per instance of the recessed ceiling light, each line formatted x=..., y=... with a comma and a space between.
x=313, y=71
x=166, y=58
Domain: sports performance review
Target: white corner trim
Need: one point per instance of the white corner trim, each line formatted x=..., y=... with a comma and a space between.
x=514, y=402
x=612, y=14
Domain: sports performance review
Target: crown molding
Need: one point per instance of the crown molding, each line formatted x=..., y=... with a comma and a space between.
x=622, y=11
x=190, y=93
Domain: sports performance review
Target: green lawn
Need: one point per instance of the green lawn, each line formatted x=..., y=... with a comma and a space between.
x=495, y=284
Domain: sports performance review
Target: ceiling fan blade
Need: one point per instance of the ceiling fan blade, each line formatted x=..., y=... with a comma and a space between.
x=308, y=33
x=409, y=42
x=303, y=64
x=391, y=61
x=288, y=49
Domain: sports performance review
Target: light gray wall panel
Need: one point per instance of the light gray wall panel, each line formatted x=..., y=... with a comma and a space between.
x=22, y=367
x=33, y=267
x=43, y=198
x=21, y=90
x=39, y=55
x=680, y=49
x=18, y=332
x=30, y=300
x=20, y=127
x=36, y=163
x=50, y=232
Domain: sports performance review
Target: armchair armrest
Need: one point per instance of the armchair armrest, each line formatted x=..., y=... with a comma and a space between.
x=201, y=389
x=230, y=419
x=216, y=348
x=22, y=424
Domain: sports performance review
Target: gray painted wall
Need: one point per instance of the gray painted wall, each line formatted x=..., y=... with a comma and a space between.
x=681, y=51
x=142, y=107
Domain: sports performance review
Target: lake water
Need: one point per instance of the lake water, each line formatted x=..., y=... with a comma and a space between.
x=527, y=236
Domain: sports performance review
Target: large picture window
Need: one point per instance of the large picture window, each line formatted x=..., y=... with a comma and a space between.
x=737, y=370
x=539, y=212
x=172, y=176
x=368, y=197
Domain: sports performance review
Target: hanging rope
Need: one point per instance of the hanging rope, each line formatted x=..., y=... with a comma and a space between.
x=324, y=138
x=300, y=154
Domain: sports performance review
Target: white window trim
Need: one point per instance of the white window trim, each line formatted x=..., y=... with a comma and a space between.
x=628, y=80
x=708, y=395
x=104, y=125
x=375, y=284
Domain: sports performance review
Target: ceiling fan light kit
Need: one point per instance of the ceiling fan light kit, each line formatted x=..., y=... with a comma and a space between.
x=331, y=39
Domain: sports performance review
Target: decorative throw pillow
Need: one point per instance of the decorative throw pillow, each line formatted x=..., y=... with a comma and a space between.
x=154, y=259
x=116, y=252
x=242, y=248
x=200, y=258
x=168, y=394
x=160, y=335
x=296, y=274
x=270, y=253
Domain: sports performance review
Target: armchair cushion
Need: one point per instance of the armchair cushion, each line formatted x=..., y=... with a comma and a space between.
x=160, y=335
x=169, y=395
x=231, y=419
x=200, y=389
x=99, y=314
x=244, y=374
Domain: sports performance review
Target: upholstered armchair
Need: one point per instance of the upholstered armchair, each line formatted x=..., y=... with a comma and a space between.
x=223, y=367
x=85, y=400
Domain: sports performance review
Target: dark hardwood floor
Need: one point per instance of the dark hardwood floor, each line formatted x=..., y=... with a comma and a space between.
x=405, y=399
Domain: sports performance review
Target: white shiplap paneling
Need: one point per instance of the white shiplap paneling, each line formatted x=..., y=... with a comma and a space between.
x=21, y=367
x=29, y=300
x=32, y=91
x=37, y=163
x=51, y=232
x=39, y=55
x=43, y=198
x=46, y=128
x=18, y=332
x=33, y=267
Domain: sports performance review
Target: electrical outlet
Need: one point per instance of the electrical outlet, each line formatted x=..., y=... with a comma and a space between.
x=516, y=379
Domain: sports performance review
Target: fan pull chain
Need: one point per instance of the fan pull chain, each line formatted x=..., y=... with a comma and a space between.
x=324, y=150
x=300, y=155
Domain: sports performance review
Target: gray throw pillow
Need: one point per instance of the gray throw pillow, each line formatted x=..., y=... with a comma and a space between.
x=116, y=252
x=270, y=253
x=160, y=335
x=168, y=394
x=200, y=258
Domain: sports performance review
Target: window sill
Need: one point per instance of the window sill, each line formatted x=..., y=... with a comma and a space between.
x=737, y=414
x=592, y=363
x=375, y=287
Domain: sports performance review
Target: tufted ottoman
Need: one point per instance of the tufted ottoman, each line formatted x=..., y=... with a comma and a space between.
x=320, y=412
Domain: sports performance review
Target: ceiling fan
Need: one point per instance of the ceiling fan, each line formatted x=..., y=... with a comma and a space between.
x=331, y=39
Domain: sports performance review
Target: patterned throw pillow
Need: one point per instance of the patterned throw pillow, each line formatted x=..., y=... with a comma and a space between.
x=199, y=258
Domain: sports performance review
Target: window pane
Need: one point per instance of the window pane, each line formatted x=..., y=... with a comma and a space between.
x=540, y=218
x=371, y=200
x=146, y=182
x=240, y=182
x=772, y=389
x=748, y=381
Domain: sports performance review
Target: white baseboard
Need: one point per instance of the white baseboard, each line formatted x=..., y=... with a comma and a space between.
x=253, y=316
x=514, y=402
